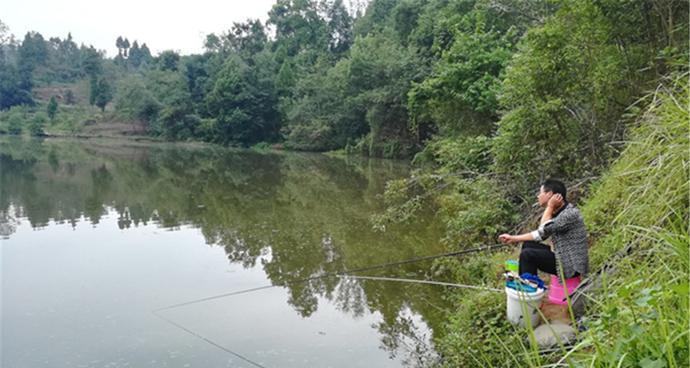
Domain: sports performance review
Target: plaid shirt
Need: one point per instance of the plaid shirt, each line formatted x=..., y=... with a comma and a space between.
x=569, y=237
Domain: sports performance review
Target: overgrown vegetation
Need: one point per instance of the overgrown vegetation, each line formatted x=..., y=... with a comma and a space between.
x=488, y=96
x=377, y=81
x=640, y=315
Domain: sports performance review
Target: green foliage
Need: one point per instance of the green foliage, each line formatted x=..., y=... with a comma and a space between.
x=91, y=62
x=177, y=124
x=33, y=53
x=339, y=26
x=643, y=200
x=139, y=56
x=380, y=73
x=103, y=93
x=460, y=95
x=567, y=88
x=135, y=101
x=474, y=211
x=473, y=208
x=15, y=123
x=480, y=335
x=167, y=87
x=322, y=115
x=14, y=89
x=36, y=125
x=197, y=73
x=243, y=100
x=646, y=186
x=639, y=315
x=69, y=97
x=299, y=27
x=454, y=155
x=168, y=60
x=245, y=39
x=52, y=108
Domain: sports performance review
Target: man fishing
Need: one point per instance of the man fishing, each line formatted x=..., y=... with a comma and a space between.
x=563, y=223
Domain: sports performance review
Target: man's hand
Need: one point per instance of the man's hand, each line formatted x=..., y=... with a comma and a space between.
x=506, y=239
x=556, y=201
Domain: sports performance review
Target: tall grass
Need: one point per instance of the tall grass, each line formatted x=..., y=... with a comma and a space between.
x=640, y=315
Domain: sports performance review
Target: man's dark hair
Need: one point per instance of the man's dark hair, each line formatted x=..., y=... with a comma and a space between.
x=554, y=186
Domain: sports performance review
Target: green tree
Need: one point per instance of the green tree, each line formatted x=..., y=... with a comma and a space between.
x=91, y=61
x=246, y=39
x=244, y=102
x=323, y=116
x=15, y=124
x=212, y=43
x=5, y=35
x=135, y=101
x=299, y=26
x=92, y=65
x=135, y=56
x=566, y=91
x=104, y=93
x=69, y=97
x=146, y=57
x=168, y=60
x=197, y=73
x=339, y=25
x=125, y=47
x=52, y=108
x=14, y=90
x=33, y=52
x=166, y=102
x=376, y=17
x=119, y=44
x=36, y=125
x=65, y=60
x=380, y=74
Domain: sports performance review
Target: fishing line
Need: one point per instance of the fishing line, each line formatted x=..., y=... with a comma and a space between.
x=216, y=297
x=208, y=341
x=337, y=274
x=419, y=259
x=342, y=274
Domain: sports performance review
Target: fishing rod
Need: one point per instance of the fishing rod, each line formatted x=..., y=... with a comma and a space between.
x=343, y=274
x=416, y=281
x=338, y=274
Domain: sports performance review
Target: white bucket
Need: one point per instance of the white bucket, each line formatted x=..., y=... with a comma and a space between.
x=522, y=305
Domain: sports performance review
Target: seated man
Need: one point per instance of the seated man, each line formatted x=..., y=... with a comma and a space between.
x=561, y=221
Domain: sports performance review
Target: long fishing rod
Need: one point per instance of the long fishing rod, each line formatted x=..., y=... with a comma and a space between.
x=416, y=281
x=337, y=274
x=340, y=273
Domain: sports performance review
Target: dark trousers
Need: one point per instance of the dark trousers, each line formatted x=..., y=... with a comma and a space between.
x=536, y=256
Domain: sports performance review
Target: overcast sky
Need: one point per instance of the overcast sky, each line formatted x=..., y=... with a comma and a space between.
x=162, y=25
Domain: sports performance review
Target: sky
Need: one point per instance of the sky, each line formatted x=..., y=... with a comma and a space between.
x=163, y=25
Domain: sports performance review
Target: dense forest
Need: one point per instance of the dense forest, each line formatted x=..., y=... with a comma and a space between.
x=392, y=80
x=486, y=97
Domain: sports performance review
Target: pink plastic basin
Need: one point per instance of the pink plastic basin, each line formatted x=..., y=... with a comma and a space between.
x=557, y=293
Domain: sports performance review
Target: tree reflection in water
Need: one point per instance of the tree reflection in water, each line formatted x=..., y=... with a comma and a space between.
x=298, y=216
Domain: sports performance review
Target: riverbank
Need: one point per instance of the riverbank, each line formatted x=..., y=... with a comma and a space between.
x=639, y=314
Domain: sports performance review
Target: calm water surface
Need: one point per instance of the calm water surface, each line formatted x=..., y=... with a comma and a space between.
x=96, y=235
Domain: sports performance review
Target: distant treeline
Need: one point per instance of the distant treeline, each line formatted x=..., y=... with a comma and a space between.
x=498, y=77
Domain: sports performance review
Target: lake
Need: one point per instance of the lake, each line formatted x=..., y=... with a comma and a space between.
x=101, y=237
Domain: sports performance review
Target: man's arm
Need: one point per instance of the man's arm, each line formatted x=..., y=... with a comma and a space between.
x=510, y=239
x=555, y=202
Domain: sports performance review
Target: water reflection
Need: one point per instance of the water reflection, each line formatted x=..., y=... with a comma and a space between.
x=296, y=216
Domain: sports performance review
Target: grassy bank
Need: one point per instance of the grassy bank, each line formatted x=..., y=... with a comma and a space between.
x=639, y=317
